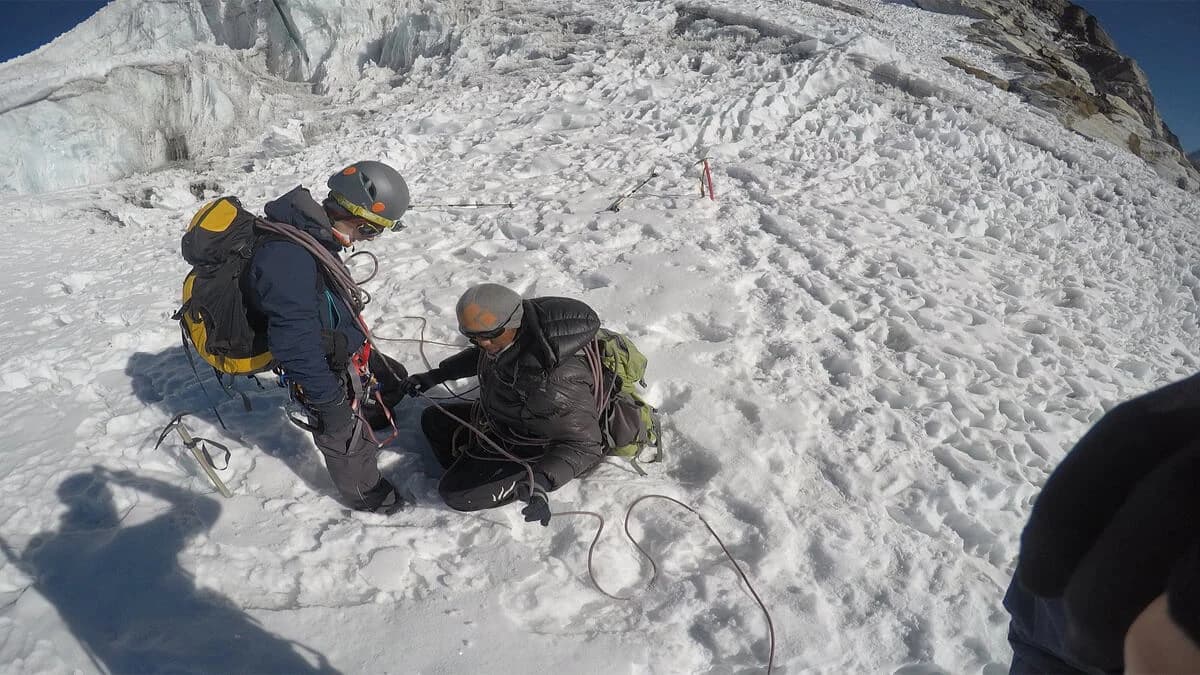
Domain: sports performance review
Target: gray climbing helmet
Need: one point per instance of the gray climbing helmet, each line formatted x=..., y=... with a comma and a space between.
x=487, y=309
x=372, y=191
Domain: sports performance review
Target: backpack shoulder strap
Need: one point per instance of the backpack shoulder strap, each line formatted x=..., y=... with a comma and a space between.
x=265, y=236
x=336, y=273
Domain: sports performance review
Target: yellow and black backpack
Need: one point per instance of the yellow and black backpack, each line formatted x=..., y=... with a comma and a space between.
x=228, y=335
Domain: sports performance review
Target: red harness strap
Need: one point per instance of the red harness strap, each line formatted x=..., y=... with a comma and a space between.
x=361, y=359
x=360, y=367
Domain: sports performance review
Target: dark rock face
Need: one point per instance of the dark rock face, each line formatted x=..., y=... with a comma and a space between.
x=1066, y=64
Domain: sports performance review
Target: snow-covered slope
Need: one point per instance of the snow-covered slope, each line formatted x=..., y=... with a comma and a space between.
x=911, y=295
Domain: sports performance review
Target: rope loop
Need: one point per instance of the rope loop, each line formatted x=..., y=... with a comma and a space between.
x=654, y=566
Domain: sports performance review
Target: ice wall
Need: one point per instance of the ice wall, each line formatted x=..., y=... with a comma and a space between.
x=147, y=82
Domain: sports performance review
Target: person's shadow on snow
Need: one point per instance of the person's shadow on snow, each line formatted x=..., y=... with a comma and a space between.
x=125, y=597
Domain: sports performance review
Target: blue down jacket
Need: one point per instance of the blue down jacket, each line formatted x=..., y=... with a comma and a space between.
x=285, y=284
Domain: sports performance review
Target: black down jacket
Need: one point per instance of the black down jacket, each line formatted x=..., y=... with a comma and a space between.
x=539, y=391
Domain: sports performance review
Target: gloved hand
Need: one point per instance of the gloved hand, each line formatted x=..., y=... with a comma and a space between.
x=1113, y=528
x=537, y=507
x=423, y=382
x=390, y=375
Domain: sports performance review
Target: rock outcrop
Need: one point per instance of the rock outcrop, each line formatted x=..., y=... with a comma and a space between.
x=1065, y=63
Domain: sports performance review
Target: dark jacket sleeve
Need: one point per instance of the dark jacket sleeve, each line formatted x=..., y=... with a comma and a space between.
x=1114, y=520
x=577, y=444
x=285, y=278
x=462, y=364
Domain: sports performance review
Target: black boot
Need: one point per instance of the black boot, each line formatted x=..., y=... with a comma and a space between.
x=382, y=499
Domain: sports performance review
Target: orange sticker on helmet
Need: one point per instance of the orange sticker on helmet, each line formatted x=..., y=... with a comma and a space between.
x=350, y=171
x=475, y=318
x=378, y=207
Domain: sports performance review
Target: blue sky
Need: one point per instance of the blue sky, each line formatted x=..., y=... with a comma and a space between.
x=26, y=25
x=1163, y=36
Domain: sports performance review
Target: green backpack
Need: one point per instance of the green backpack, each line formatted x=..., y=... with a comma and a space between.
x=629, y=423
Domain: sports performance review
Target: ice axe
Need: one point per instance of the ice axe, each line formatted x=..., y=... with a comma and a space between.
x=199, y=451
x=616, y=205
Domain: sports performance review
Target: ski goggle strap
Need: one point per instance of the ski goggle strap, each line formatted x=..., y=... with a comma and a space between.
x=373, y=218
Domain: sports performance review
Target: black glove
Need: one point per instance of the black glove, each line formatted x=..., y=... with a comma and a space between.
x=1114, y=525
x=537, y=504
x=423, y=382
x=391, y=376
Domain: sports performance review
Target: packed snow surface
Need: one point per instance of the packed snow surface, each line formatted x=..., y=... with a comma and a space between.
x=911, y=295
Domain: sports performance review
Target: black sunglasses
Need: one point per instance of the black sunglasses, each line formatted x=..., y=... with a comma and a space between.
x=485, y=334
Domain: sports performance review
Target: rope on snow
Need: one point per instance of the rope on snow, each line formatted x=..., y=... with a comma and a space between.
x=628, y=514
